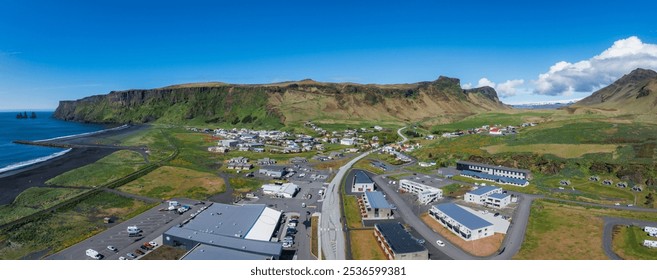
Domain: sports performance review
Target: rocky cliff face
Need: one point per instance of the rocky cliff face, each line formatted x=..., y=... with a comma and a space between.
x=274, y=104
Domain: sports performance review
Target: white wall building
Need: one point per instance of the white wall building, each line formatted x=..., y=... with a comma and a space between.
x=650, y=243
x=362, y=183
x=348, y=141
x=488, y=196
x=461, y=222
x=425, y=194
x=287, y=190
x=652, y=231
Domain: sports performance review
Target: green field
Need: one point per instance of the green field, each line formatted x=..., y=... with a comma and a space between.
x=169, y=182
x=352, y=212
x=504, y=119
x=34, y=199
x=628, y=243
x=107, y=169
x=56, y=231
x=241, y=184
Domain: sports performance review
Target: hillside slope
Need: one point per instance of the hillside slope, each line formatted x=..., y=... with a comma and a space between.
x=277, y=104
x=634, y=93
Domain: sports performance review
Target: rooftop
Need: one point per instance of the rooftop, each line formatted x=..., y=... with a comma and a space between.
x=499, y=195
x=461, y=215
x=377, y=200
x=229, y=242
x=207, y=252
x=493, y=166
x=274, y=168
x=229, y=220
x=499, y=179
x=483, y=190
x=362, y=178
x=400, y=241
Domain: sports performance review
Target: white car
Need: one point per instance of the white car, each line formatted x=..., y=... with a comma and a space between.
x=153, y=243
x=122, y=258
x=617, y=204
x=440, y=243
x=111, y=248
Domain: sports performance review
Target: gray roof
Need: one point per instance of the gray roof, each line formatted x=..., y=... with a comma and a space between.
x=400, y=241
x=274, y=168
x=234, y=243
x=483, y=190
x=227, y=220
x=494, y=166
x=362, y=178
x=499, y=195
x=377, y=200
x=207, y=252
x=462, y=216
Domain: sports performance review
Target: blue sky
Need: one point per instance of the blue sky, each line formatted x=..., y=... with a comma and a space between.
x=68, y=50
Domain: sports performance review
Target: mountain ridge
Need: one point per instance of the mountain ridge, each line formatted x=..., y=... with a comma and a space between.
x=632, y=93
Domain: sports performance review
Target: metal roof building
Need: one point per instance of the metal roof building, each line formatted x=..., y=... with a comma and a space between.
x=377, y=200
x=460, y=221
x=398, y=244
x=362, y=182
x=287, y=190
x=245, y=228
x=362, y=178
x=495, y=178
x=373, y=205
x=207, y=252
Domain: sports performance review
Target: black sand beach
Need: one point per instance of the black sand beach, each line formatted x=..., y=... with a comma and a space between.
x=12, y=183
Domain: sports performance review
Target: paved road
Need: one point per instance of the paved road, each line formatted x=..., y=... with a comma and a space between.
x=331, y=235
x=607, y=235
x=401, y=135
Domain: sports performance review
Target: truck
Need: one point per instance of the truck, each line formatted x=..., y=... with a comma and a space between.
x=94, y=254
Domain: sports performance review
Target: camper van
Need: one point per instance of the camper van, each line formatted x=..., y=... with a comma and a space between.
x=133, y=230
x=94, y=254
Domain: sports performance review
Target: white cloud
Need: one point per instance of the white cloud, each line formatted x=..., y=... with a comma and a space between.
x=510, y=87
x=467, y=86
x=565, y=78
x=485, y=82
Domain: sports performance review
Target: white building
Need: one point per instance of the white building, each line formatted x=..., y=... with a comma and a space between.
x=362, y=183
x=652, y=231
x=425, y=194
x=650, y=243
x=461, y=221
x=488, y=196
x=348, y=141
x=228, y=143
x=287, y=190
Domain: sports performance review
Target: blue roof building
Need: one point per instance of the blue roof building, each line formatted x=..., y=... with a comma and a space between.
x=399, y=244
x=461, y=221
x=373, y=205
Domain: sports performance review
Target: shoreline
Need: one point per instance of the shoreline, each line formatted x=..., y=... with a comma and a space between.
x=14, y=182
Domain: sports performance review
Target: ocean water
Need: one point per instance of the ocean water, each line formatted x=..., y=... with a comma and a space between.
x=14, y=156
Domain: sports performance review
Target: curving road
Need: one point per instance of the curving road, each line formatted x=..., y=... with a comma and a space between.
x=608, y=232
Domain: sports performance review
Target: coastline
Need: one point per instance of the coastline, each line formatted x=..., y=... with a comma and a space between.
x=13, y=182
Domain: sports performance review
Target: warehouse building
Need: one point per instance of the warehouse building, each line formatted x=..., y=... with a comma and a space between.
x=273, y=171
x=207, y=252
x=425, y=194
x=461, y=221
x=500, y=171
x=373, y=205
x=287, y=190
x=398, y=244
x=362, y=183
x=235, y=230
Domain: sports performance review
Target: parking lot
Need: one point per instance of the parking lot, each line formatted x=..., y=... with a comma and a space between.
x=152, y=224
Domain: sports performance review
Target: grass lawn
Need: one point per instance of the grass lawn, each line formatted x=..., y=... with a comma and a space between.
x=168, y=182
x=479, y=120
x=352, y=212
x=531, y=188
x=57, y=231
x=560, y=150
x=564, y=231
x=628, y=243
x=165, y=252
x=364, y=245
x=455, y=190
x=481, y=247
x=365, y=164
x=593, y=191
x=314, y=238
x=34, y=199
x=243, y=185
x=107, y=169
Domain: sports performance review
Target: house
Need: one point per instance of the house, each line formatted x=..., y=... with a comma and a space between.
x=637, y=188
x=564, y=182
x=373, y=205
x=652, y=231
x=461, y=222
x=273, y=171
x=608, y=182
x=481, y=194
x=266, y=161
x=239, y=160
x=399, y=244
x=221, y=150
x=498, y=200
x=378, y=128
x=240, y=166
x=336, y=155
x=298, y=160
x=287, y=190
x=621, y=185
x=425, y=194
x=362, y=183
x=347, y=141
x=594, y=178
x=495, y=131
x=228, y=143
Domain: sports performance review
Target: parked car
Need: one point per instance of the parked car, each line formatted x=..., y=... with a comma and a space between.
x=143, y=248
x=131, y=255
x=112, y=248
x=122, y=258
x=440, y=243
x=139, y=252
x=153, y=243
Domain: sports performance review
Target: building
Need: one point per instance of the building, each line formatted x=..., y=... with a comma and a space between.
x=287, y=190
x=650, y=243
x=488, y=196
x=494, y=178
x=373, y=205
x=652, y=231
x=425, y=194
x=228, y=143
x=216, y=149
x=266, y=161
x=398, y=244
x=298, y=160
x=348, y=141
x=240, y=166
x=461, y=221
x=239, y=160
x=500, y=171
x=498, y=200
x=273, y=171
x=233, y=231
x=207, y=252
x=362, y=183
